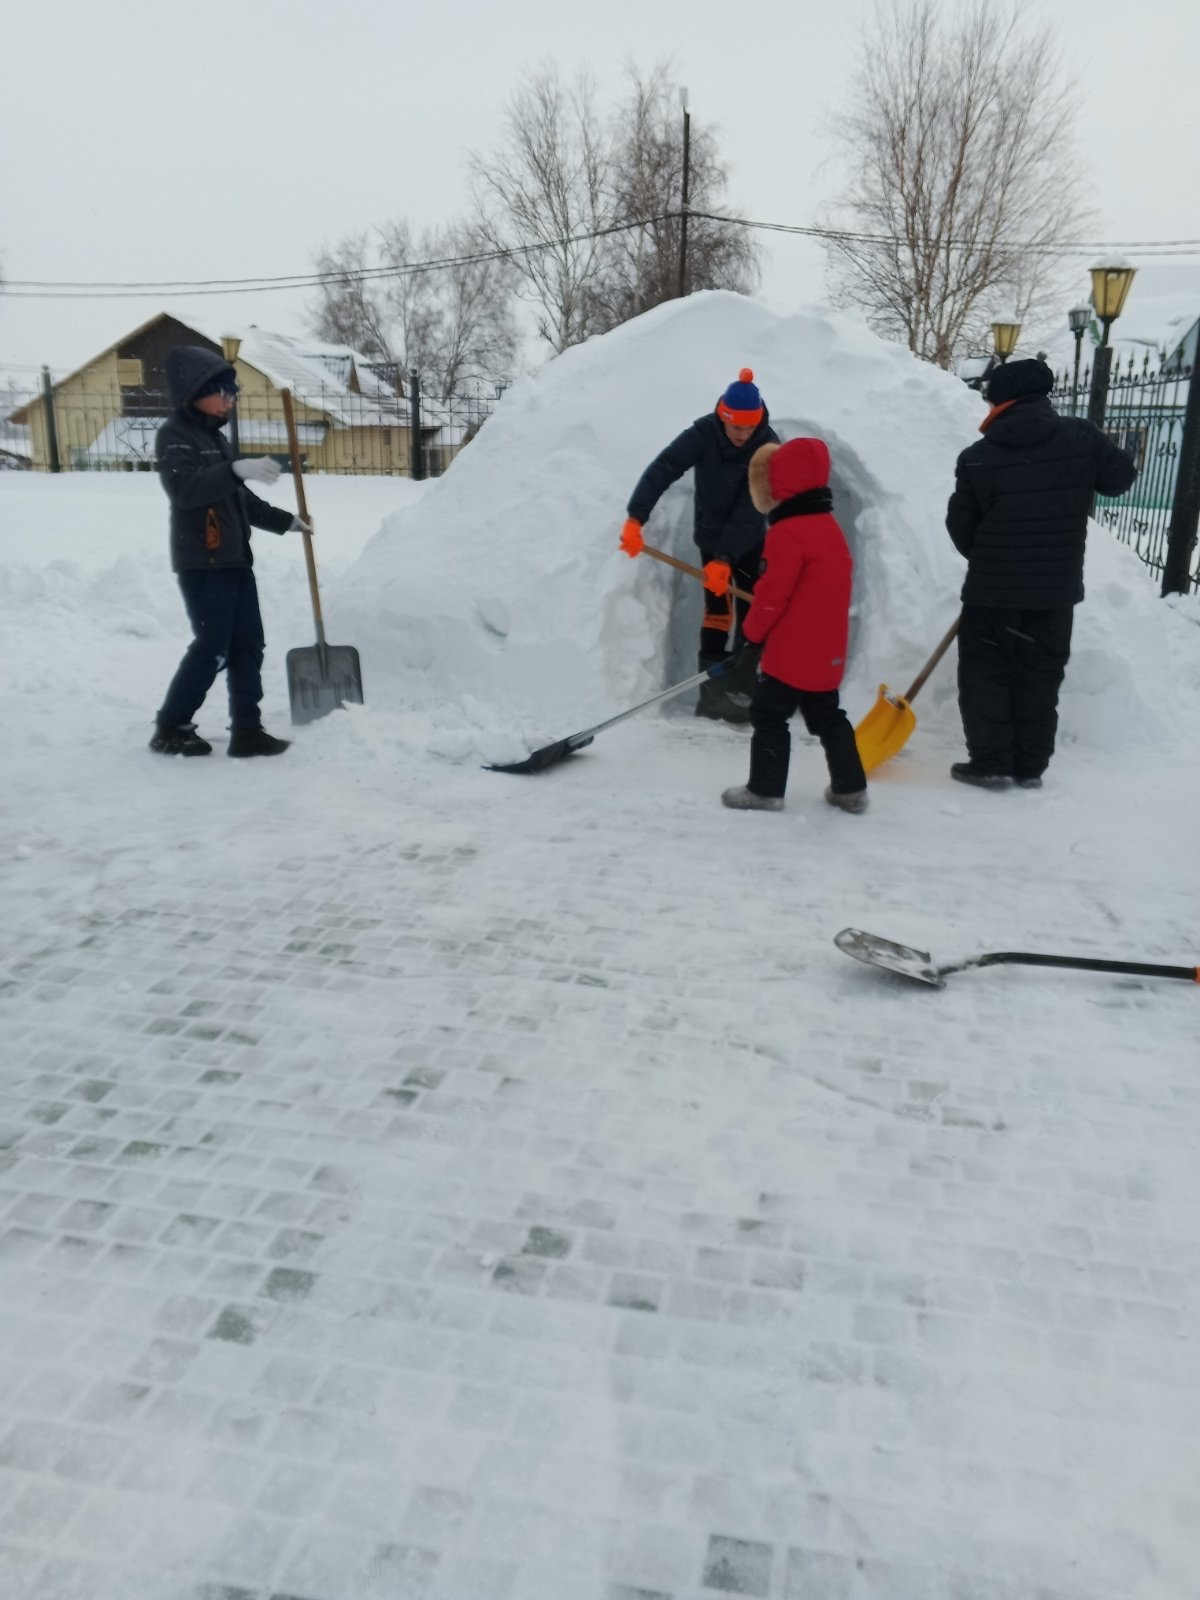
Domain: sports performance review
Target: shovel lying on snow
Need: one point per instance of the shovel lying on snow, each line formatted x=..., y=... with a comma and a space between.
x=910, y=963
x=887, y=726
x=321, y=677
x=551, y=754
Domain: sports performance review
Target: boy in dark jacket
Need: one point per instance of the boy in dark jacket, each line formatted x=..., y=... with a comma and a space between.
x=801, y=610
x=727, y=528
x=212, y=511
x=1019, y=514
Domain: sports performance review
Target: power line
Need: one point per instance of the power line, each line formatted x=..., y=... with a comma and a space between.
x=68, y=289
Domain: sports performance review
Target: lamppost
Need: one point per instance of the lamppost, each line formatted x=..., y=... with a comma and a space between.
x=1111, y=282
x=683, y=212
x=230, y=345
x=1078, y=317
x=1005, y=333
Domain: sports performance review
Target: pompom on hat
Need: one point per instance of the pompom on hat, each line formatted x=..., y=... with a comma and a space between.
x=741, y=405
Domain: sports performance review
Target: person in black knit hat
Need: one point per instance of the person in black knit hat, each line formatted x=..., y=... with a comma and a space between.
x=212, y=512
x=1019, y=514
x=728, y=529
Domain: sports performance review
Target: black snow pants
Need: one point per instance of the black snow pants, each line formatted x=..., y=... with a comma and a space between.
x=773, y=705
x=222, y=606
x=721, y=629
x=1010, y=669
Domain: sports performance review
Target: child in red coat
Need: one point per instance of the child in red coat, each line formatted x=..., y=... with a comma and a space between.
x=801, y=615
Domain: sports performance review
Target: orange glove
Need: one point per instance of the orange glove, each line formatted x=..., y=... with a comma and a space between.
x=631, y=538
x=717, y=575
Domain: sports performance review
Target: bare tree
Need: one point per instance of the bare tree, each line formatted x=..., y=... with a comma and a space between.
x=545, y=199
x=964, y=179
x=476, y=337
x=349, y=310
x=451, y=321
x=642, y=268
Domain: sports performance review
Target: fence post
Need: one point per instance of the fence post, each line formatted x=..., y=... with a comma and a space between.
x=417, y=462
x=51, y=421
x=1185, y=508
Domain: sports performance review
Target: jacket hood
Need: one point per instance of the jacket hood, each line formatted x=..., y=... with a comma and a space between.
x=1023, y=423
x=189, y=367
x=780, y=471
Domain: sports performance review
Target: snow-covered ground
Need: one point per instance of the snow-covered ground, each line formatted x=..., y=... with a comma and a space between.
x=418, y=1183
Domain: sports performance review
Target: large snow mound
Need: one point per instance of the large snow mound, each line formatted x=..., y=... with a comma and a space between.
x=500, y=605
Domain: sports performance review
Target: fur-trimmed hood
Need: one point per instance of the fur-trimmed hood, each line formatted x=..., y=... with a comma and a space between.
x=780, y=471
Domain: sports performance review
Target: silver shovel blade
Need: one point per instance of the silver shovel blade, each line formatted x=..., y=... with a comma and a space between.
x=321, y=680
x=901, y=958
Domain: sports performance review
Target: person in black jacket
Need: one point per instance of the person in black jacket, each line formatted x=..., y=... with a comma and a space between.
x=212, y=512
x=1019, y=514
x=727, y=528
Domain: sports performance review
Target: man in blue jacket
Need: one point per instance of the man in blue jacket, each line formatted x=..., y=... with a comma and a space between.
x=727, y=528
x=212, y=512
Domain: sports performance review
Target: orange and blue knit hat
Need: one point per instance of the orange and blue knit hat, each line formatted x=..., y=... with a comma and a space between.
x=741, y=404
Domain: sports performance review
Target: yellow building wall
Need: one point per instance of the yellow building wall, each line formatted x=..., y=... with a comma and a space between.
x=83, y=407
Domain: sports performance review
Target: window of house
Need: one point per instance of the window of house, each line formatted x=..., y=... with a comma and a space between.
x=129, y=373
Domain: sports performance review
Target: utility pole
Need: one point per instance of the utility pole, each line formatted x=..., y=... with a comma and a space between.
x=683, y=216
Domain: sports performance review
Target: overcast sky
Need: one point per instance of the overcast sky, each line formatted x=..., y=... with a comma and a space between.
x=148, y=139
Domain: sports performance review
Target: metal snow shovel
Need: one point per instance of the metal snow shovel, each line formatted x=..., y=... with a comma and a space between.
x=321, y=677
x=551, y=754
x=696, y=572
x=910, y=963
x=887, y=726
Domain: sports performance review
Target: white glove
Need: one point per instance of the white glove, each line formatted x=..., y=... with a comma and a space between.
x=259, y=468
x=298, y=525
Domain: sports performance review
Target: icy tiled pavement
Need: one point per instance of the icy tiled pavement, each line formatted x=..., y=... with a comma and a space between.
x=512, y=1194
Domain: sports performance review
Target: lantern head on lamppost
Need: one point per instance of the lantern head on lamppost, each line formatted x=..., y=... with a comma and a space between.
x=1111, y=282
x=1005, y=333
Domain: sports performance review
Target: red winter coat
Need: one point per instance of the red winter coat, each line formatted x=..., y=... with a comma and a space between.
x=802, y=598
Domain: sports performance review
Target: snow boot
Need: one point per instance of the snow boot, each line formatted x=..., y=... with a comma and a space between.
x=715, y=700
x=855, y=802
x=1033, y=782
x=744, y=799
x=255, y=742
x=968, y=772
x=183, y=740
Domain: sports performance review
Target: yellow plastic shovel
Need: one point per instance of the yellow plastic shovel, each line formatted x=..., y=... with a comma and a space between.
x=887, y=726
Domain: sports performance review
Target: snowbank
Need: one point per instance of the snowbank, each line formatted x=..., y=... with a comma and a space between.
x=502, y=602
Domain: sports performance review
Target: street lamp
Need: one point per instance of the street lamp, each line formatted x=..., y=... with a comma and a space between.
x=1111, y=282
x=1005, y=333
x=230, y=345
x=1078, y=317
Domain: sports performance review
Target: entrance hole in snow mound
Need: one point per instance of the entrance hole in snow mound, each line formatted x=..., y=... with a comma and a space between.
x=855, y=492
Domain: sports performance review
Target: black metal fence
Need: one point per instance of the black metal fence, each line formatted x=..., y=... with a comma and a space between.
x=1153, y=412
x=113, y=429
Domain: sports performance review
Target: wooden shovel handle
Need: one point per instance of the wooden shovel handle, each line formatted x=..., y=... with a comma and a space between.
x=919, y=680
x=696, y=572
x=289, y=416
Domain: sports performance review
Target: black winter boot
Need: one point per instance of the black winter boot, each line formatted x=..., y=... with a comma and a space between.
x=968, y=772
x=255, y=742
x=183, y=740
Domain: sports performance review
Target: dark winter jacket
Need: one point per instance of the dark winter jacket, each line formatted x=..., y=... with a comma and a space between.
x=211, y=509
x=1021, y=500
x=802, y=598
x=726, y=524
